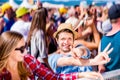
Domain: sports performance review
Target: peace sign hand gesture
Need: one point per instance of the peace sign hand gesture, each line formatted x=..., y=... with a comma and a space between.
x=102, y=57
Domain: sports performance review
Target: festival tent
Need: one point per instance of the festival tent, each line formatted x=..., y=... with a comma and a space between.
x=13, y=4
x=26, y=4
x=50, y=5
x=63, y=2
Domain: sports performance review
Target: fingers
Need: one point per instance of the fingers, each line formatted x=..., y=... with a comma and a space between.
x=106, y=49
x=99, y=47
x=82, y=47
x=104, y=62
x=72, y=52
x=109, y=51
x=102, y=58
x=80, y=51
x=98, y=75
x=93, y=75
x=77, y=52
x=106, y=57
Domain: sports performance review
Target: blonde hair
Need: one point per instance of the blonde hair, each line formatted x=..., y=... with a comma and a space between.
x=8, y=41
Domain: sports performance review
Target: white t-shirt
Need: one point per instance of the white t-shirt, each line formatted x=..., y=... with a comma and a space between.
x=21, y=27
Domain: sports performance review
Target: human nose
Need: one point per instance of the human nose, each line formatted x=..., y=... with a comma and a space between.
x=66, y=41
x=25, y=51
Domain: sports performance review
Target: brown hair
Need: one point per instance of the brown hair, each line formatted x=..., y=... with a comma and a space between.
x=8, y=41
x=38, y=22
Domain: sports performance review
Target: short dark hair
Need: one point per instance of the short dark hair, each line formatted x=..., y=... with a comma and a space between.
x=76, y=6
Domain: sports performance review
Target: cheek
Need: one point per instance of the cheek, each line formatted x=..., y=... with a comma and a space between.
x=18, y=57
x=60, y=43
x=71, y=43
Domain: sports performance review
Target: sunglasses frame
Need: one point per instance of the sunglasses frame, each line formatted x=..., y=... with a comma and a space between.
x=22, y=48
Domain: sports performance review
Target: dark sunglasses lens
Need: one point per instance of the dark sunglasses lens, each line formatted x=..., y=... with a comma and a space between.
x=21, y=49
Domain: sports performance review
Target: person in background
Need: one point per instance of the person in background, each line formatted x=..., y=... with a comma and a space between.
x=77, y=11
x=103, y=22
x=72, y=19
x=22, y=25
x=112, y=36
x=50, y=29
x=62, y=17
x=1, y=13
x=8, y=16
x=32, y=11
x=16, y=64
x=2, y=23
x=37, y=37
x=89, y=35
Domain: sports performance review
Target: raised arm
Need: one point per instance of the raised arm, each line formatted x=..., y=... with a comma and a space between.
x=101, y=58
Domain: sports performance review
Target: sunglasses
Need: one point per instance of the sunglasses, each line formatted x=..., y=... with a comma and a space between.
x=22, y=48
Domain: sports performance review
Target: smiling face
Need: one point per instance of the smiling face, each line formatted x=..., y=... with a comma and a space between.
x=65, y=41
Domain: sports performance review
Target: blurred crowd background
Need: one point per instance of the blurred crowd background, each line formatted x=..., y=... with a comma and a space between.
x=90, y=19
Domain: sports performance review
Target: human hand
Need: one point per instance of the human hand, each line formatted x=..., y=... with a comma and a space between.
x=103, y=57
x=78, y=51
x=101, y=68
x=89, y=21
x=90, y=75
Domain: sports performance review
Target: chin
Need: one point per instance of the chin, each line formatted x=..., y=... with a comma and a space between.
x=66, y=50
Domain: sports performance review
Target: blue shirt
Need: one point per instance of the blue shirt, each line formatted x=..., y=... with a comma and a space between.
x=115, y=54
x=53, y=58
x=8, y=24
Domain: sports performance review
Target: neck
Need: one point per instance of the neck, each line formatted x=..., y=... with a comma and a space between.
x=12, y=68
x=12, y=65
x=6, y=16
x=64, y=53
x=115, y=29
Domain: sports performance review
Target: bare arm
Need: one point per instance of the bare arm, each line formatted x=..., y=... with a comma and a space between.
x=96, y=36
x=96, y=39
x=92, y=75
x=102, y=58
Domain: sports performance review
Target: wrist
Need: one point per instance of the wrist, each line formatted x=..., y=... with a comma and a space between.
x=92, y=62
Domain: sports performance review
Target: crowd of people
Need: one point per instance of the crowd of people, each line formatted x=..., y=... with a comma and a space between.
x=59, y=44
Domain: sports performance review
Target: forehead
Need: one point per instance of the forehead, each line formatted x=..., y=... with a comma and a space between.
x=21, y=42
x=65, y=35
